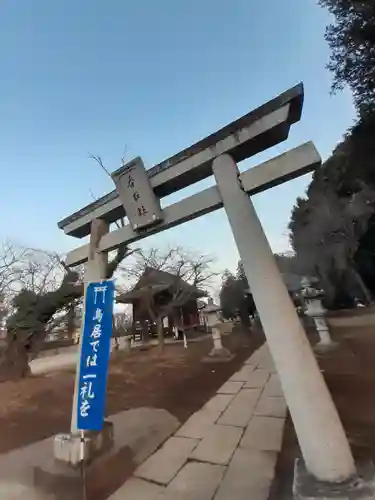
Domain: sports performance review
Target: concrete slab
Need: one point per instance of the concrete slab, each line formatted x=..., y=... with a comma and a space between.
x=137, y=489
x=163, y=465
x=271, y=407
x=273, y=387
x=258, y=378
x=14, y=491
x=260, y=353
x=218, y=403
x=254, y=358
x=230, y=387
x=262, y=359
x=218, y=446
x=250, y=361
x=241, y=409
x=267, y=364
x=249, y=476
x=17, y=466
x=143, y=430
x=140, y=431
x=198, y=425
x=263, y=433
x=243, y=375
x=196, y=481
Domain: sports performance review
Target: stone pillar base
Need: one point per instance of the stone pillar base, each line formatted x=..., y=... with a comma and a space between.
x=218, y=355
x=307, y=487
x=67, y=447
x=61, y=473
x=322, y=347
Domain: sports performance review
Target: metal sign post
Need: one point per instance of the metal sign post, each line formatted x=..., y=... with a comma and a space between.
x=95, y=348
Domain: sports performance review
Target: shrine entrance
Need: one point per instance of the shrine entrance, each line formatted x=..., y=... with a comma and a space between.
x=138, y=192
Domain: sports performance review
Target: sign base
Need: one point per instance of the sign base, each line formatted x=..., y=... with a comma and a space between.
x=67, y=447
x=60, y=475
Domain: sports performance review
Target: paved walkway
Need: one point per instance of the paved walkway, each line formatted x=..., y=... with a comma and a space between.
x=68, y=359
x=139, y=431
x=225, y=451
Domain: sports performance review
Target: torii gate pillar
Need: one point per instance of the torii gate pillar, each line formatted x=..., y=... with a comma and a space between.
x=95, y=270
x=320, y=433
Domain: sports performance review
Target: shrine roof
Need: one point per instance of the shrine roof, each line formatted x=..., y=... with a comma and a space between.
x=154, y=281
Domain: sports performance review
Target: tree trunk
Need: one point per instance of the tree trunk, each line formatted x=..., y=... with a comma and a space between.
x=70, y=323
x=362, y=286
x=329, y=289
x=15, y=362
x=160, y=330
x=114, y=334
x=244, y=318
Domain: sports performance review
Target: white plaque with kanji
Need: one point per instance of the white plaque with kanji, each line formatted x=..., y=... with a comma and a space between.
x=133, y=185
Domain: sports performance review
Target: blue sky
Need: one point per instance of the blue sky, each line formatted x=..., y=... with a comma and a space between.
x=154, y=77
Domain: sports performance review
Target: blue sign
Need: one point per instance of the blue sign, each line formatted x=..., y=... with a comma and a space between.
x=94, y=355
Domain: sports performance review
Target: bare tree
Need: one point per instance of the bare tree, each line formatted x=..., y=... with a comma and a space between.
x=193, y=267
x=41, y=271
x=27, y=327
x=11, y=263
x=43, y=286
x=188, y=271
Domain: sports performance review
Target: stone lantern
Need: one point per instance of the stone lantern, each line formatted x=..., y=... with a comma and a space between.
x=211, y=313
x=314, y=309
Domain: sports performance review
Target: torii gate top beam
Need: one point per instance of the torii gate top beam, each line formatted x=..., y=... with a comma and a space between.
x=252, y=133
x=285, y=167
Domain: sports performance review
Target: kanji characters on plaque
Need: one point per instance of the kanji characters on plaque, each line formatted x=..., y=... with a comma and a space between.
x=131, y=184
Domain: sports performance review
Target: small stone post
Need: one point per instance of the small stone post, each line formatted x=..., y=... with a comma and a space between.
x=218, y=353
x=216, y=337
x=321, y=436
x=127, y=343
x=315, y=310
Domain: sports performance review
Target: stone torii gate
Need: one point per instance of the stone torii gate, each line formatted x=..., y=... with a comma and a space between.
x=320, y=433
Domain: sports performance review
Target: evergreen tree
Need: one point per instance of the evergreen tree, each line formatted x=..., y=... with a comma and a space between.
x=352, y=40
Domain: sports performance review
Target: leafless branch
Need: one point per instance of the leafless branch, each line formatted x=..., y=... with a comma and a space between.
x=124, y=153
x=99, y=161
x=185, y=266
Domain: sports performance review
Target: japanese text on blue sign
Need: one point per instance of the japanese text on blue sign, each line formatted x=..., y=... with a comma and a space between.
x=94, y=355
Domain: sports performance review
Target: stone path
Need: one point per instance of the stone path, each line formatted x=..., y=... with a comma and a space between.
x=140, y=431
x=225, y=451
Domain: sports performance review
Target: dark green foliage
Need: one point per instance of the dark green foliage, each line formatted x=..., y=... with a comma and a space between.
x=235, y=298
x=332, y=230
x=351, y=38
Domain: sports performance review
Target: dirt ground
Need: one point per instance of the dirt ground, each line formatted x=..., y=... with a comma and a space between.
x=350, y=375
x=177, y=381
